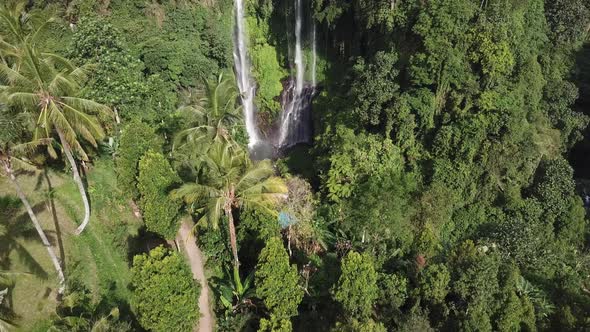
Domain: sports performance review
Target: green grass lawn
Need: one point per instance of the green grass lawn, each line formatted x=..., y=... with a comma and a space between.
x=97, y=258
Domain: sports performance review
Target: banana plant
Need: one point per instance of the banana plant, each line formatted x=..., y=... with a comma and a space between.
x=234, y=293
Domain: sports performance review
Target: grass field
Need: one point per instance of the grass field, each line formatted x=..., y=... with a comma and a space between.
x=97, y=258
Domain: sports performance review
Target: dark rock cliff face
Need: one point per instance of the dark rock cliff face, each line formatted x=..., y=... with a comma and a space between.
x=294, y=125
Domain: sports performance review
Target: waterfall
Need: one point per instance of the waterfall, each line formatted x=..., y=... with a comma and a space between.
x=299, y=65
x=295, y=121
x=296, y=117
x=245, y=82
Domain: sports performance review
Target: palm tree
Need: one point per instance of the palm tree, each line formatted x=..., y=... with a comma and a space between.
x=48, y=85
x=209, y=114
x=11, y=131
x=17, y=22
x=226, y=180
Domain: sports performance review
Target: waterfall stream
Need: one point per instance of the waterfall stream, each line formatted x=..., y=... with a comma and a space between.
x=295, y=121
x=294, y=124
x=299, y=65
x=245, y=82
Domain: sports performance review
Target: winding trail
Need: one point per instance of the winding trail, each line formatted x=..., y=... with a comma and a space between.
x=195, y=259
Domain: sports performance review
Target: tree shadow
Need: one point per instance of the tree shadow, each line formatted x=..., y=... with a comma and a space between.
x=142, y=243
x=16, y=227
x=56, y=224
x=109, y=302
x=7, y=313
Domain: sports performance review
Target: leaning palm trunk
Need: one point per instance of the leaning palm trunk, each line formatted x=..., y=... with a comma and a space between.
x=68, y=151
x=232, y=235
x=23, y=198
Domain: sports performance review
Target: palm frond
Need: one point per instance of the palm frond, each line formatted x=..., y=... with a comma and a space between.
x=13, y=77
x=39, y=28
x=273, y=185
x=7, y=49
x=60, y=122
x=58, y=61
x=26, y=100
x=196, y=137
x=80, y=74
x=60, y=85
x=87, y=106
x=86, y=125
x=29, y=148
x=24, y=164
x=264, y=206
x=194, y=192
x=260, y=172
x=193, y=113
x=215, y=208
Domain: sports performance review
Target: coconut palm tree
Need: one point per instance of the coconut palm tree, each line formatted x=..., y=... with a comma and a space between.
x=48, y=85
x=11, y=131
x=16, y=22
x=209, y=114
x=227, y=180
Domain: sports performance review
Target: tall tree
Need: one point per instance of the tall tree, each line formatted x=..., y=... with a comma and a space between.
x=357, y=287
x=277, y=285
x=226, y=180
x=48, y=85
x=164, y=293
x=11, y=131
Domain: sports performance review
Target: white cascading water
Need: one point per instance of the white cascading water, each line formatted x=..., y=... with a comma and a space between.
x=299, y=65
x=245, y=82
x=295, y=125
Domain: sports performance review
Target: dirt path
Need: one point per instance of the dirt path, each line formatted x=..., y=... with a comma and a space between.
x=195, y=258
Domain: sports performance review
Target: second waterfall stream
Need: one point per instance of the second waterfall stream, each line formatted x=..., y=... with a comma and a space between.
x=294, y=123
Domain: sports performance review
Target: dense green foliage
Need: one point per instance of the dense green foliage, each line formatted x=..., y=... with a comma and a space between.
x=118, y=78
x=136, y=139
x=164, y=292
x=357, y=286
x=155, y=180
x=452, y=124
x=277, y=286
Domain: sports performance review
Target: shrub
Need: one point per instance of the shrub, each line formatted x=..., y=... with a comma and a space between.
x=137, y=138
x=357, y=287
x=277, y=285
x=165, y=296
x=160, y=212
